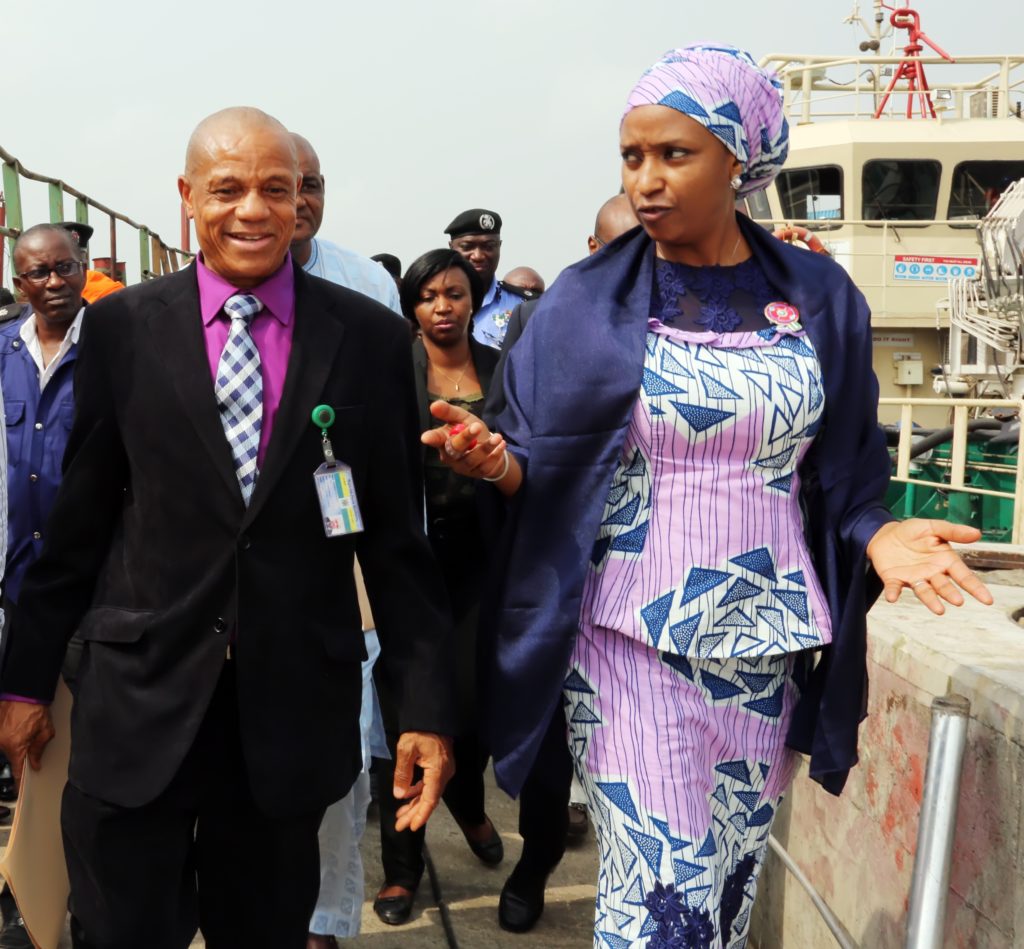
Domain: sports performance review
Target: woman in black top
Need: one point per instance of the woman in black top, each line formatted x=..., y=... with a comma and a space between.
x=440, y=293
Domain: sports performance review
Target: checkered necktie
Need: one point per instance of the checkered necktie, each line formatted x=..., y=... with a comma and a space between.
x=239, y=390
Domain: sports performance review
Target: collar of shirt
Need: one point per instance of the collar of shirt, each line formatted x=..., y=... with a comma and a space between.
x=27, y=332
x=492, y=292
x=276, y=293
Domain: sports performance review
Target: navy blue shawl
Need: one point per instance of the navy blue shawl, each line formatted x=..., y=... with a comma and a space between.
x=571, y=384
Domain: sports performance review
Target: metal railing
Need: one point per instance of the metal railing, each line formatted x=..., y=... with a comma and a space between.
x=807, y=84
x=155, y=256
x=961, y=409
x=929, y=887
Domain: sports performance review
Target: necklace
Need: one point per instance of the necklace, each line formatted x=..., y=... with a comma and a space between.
x=732, y=253
x=454, y=382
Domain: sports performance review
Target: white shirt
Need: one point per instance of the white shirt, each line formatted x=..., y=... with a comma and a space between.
x=349, y=269
x=35, y=349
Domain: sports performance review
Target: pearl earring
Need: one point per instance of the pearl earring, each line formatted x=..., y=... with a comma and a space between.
x=736, y=183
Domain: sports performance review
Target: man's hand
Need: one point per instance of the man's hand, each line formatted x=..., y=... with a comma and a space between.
x=432, y=753
x=25, y=729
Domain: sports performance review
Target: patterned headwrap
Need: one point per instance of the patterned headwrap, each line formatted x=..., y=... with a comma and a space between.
x=723, y=89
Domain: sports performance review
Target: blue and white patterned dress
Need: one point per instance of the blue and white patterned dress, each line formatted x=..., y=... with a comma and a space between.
x=700, y=590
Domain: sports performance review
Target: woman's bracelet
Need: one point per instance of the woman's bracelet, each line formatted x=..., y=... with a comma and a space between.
x=504, y=471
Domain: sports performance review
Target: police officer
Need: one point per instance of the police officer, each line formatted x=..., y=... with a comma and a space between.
x=476, y=234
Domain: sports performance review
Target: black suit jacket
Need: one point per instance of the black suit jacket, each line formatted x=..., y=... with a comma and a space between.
x=154, y=559
x=485, y=361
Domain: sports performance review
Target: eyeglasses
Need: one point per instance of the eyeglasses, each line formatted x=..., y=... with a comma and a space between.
x=40, y=275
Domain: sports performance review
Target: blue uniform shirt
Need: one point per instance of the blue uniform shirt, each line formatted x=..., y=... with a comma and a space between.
x=491, y=321
x=37, y=425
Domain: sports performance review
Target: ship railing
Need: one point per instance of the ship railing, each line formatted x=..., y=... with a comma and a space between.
x=809, y=83
x=873, y=268
x=963, y=410
x=155, y=256
x=936, y=828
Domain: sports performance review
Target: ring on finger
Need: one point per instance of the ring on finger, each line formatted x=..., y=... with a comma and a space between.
x=451, y=451
x=917, y=583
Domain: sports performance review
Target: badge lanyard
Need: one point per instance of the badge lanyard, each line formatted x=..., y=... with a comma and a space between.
x=335, y=487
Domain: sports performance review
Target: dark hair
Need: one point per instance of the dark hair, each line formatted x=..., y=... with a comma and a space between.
x=429, y=265
x=37, y=229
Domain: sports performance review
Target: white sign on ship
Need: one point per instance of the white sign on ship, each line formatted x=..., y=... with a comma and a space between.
x=925, y=269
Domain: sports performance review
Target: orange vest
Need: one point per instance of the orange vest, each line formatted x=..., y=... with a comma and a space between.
x=98, y=285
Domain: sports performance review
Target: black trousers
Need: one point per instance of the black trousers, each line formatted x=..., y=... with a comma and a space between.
x=401, y=853
x=544, y=802
x=199, y=856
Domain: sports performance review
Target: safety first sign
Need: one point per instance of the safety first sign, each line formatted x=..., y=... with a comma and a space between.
x=912, y=267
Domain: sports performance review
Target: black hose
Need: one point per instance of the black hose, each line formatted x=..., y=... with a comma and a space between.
x=930, y=438
x=442, y=906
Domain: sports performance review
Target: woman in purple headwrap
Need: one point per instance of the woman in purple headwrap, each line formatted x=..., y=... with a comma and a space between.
x=696, y=528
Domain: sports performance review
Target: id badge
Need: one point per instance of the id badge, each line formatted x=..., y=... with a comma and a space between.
x=337, y=495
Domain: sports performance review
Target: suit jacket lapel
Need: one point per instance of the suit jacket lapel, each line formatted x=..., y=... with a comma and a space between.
x=315, y=344
x=178, y=331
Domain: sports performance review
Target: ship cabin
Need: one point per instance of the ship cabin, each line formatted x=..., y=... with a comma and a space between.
x=896, y=199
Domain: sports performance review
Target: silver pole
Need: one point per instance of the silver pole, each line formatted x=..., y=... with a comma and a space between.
x=930, y=885
x=841, y=933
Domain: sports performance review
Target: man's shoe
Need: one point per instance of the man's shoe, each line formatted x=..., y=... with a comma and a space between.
x=14, y=935
x=8, y=791
x=5, y=815
x=490, y=851
x=522, y=902
x=579, y=823
x=393, y=910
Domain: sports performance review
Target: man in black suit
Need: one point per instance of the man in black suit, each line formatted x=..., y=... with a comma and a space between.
x=188, y=549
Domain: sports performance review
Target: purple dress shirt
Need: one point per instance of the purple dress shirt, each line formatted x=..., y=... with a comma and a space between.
x=272, y=331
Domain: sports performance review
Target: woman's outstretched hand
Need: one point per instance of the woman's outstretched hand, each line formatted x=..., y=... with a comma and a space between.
x=466, y=445
x=915, y=553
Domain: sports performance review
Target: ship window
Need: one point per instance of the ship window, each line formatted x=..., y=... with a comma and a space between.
x=812, y=194
x=977, y=185
x=900, y=189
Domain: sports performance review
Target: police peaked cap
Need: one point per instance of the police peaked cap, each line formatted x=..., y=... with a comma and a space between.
x=83, y=232
x=475, y=221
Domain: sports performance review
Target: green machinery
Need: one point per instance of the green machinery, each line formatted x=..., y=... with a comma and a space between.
x=991, y=467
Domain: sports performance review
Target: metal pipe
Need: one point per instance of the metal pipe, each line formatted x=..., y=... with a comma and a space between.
x=841, y=933
x=929, y=887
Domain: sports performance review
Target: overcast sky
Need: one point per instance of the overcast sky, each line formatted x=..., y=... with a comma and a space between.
x=419, y=108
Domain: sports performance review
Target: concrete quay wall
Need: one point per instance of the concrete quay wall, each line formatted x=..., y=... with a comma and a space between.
x=858, y=850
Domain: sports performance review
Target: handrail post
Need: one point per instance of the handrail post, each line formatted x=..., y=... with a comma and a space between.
x=12, y=196
x=113, y=247
x=56, y=192
x=958, y=461
x=926, y=919
x=144, y=265
x=1017, y=536
x=81, y=211
x=906, y=433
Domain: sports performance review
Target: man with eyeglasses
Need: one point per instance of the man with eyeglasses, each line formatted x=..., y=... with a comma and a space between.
x=476, y=234
x=37, y=363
